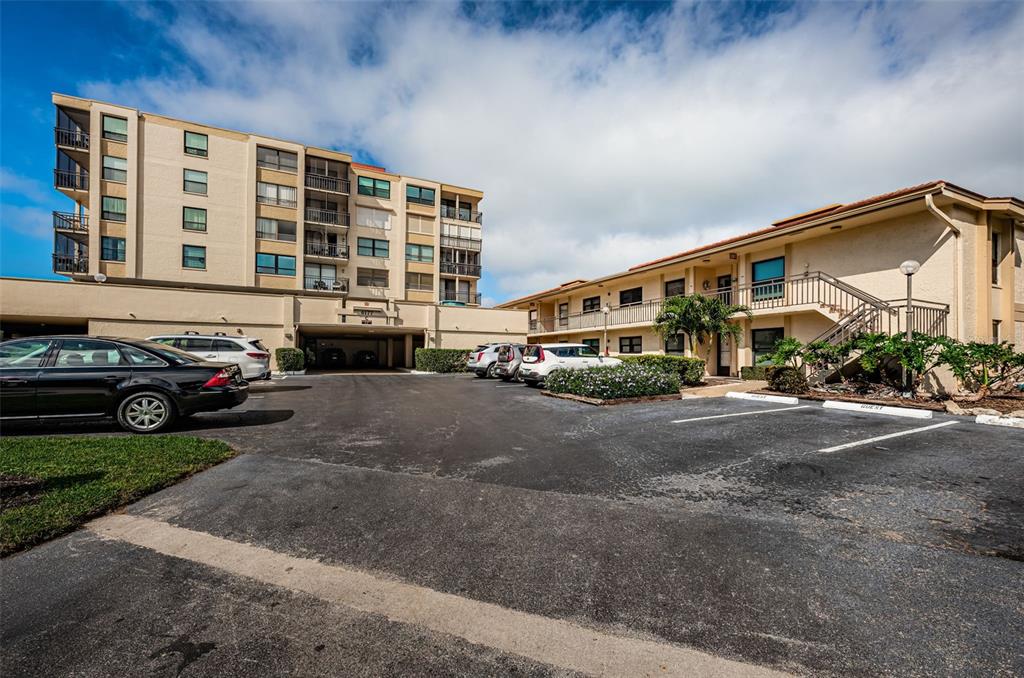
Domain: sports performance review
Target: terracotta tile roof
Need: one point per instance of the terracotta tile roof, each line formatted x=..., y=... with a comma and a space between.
x=363, y=165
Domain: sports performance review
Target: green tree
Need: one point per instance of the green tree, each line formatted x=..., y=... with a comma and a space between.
x=918, y=356
x=982, y=368
x=824, y=357
x=700, y=318
x=787, y=351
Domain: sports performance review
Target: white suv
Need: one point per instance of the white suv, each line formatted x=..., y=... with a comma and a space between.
x=540, y=360
x=483, y=360
x=247, y=352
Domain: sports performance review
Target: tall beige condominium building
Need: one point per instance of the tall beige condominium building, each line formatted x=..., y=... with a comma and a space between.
x=826, y=274
x=357, y=250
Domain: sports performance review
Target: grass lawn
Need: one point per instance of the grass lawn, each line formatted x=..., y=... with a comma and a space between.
x=52, y=485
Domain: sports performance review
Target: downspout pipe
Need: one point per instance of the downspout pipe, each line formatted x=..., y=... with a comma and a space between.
x=929, y=202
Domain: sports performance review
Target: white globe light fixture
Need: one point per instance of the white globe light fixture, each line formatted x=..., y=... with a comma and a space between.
x=910, y=267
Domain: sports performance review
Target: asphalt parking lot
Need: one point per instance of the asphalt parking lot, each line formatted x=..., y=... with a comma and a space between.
x=756, y=535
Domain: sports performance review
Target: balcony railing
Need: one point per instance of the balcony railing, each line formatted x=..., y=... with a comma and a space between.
x=464, y=297
x=324, y=249
x=70, y=263
x=331, y=217
x=274, y=200
x=68, y=221
x=74, y=138
x=335, y=285
x=322, y=182
x=460, y=269
x=472, y=244
x=462, y=214
x=69, y=179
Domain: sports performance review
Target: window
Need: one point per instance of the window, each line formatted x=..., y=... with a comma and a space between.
x=763, y=342
x=675, y=288
x=275, y=229
x=768, y=277
x=372, y=277
x=995, y=258
x=111, y=249
x=594, y=344
x=87, y=353
x=275, y=159
x=631, y=345
x=115, y=169
x=195, y=182
x=371, y=247
x=632, y=296
x=675, y=344
x=421, y=253
x=457, y=231
x=115, y=129
x=323, y=167
x=378, y=188
x=196, y=345
x=320, y=276
x=276, y=194
x=114, y=209
x=226, y=346
x=27, y=353
x=591, y=304
x=275, y=264
x=419, y=282
x=371, y=218
x=193, y=256
x=996, y=324
x=419, y=224
x=419, y=195
x=195, y=144
x=140, y=358
x=563, y=315
x=193, y=219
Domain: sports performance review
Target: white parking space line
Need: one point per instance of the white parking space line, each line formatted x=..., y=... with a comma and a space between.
x=868, y=441
x=740, y=414
x=509, y=386
x=557, y=642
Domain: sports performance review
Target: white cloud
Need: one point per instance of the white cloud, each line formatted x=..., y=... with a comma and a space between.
x=602, y=146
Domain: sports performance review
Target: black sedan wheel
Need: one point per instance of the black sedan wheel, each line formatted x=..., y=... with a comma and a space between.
x=145, y=412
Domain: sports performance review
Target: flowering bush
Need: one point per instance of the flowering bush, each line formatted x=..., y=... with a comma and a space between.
x=627, y=380
x=690, y=370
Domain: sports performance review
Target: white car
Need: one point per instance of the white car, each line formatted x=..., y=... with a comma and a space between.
x=248, y=353
x=483, y=360
x=540, y=360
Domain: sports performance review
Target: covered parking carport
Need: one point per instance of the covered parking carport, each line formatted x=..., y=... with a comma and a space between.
x=330, y=347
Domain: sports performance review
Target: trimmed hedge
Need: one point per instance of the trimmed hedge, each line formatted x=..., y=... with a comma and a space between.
x=289, y=359
x=689, y=370
x=628, y=380
x=757, y=373
x=786, y=379
x=441, y=359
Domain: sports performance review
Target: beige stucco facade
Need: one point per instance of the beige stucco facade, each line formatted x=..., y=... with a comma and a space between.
x=822, y=267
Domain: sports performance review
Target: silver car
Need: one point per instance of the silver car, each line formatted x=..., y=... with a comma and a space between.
x=510, y=357
x=482, y=360
x=248, y=353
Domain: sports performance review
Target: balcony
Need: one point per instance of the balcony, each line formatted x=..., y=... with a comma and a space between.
x=71, y=138
x=71, y=180
x=460, y=297
x=471, y=244
x=327, y=217
x=321, y=182
x=70, y=263
x=460, y=269
x=70, y=223
x=462, y=214
x=327, y=285
x=328, y=250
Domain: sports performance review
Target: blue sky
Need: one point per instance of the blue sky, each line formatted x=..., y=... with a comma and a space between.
x=602, y=133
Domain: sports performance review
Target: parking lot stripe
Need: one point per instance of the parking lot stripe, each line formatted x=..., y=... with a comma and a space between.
x=868, y=441
x=739, y=414
x=551, y=641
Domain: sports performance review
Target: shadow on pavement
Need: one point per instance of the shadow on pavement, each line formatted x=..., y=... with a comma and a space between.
x=200, y=422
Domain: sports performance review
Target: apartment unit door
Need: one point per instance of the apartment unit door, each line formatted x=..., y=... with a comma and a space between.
x=724, y=356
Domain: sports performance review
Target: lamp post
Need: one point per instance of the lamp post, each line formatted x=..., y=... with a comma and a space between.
x=909, y=268
x=607, y=310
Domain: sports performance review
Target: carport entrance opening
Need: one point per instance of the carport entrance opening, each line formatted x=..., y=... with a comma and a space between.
x=357, y=351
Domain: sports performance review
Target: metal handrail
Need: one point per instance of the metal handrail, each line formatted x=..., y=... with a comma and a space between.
x=457, y=242
x=337, y=285
x=280, y=202
x=325, y=249
x=78, y=181
x=462, y=214
x=321, y=216
x=460, y=269
x=69, y=221
x=70, y=263
x=322, y=182
x=75, y=138
x=465, y=297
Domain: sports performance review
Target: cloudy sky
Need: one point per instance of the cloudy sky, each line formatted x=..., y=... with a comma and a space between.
x=602, y=134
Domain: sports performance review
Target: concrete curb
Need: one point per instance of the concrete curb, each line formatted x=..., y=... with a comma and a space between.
x=788, y=400
x=878, y=409
x=992, y=420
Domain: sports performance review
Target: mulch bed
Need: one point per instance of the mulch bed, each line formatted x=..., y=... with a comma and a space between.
x=1004, y=404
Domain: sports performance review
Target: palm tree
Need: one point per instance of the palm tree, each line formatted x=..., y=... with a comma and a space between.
x=700, y=318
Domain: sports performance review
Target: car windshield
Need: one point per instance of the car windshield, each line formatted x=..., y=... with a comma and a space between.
x=256, y=343
x=175, y=355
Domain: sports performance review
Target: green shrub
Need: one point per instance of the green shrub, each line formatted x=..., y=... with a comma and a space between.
x=629, y=380
x=786, y=352
x=756, y=372
x=289, y=359
x=786, y=379
x=442, y=360
x=982, y=367
x=689, y=370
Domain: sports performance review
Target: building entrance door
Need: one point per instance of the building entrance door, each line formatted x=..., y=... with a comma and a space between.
x=724, y=356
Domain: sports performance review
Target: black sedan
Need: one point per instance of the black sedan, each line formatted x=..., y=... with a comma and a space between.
x=143, y=384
